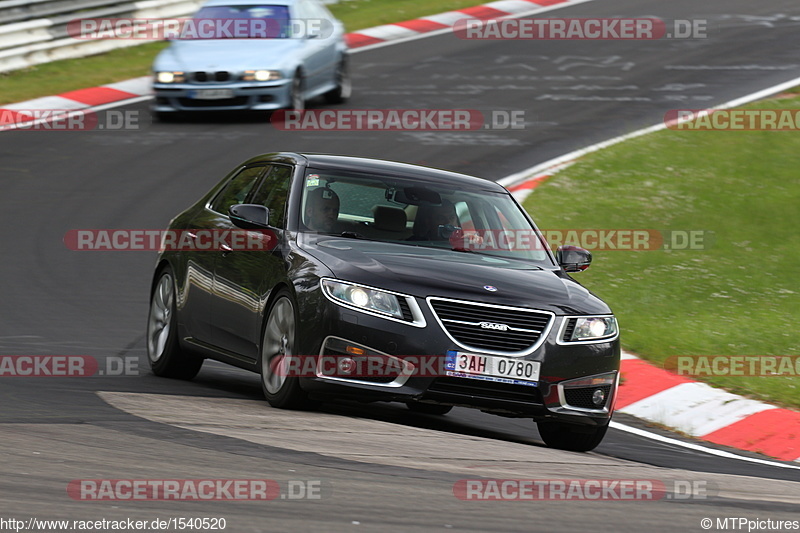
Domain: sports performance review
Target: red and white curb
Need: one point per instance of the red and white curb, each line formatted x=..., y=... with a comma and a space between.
x=14, y=115
x=445, y=21
x=713, y=415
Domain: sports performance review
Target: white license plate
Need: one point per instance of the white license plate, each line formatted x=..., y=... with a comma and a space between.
x=493, y=368
x=213, y=94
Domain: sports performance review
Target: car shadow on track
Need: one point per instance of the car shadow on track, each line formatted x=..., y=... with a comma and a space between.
x=225, y=380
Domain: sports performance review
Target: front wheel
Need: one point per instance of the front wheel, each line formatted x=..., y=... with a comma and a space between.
x=277, y=347
x=571, y=437
x=297, y=101
x=163, y=349
x=344, y=86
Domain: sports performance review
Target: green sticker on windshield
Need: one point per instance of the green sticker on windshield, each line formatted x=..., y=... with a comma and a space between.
x=312, y=180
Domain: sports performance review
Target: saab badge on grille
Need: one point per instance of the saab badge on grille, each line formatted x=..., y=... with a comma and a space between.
x=492, y=325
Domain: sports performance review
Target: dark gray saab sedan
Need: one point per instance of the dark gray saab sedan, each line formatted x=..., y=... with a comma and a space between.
x=345, y=277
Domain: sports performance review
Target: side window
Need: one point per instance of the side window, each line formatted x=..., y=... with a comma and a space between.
x=273, y=193
x=237, y=189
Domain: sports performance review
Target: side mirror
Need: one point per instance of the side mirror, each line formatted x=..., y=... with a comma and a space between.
x=573, y=258
x=249, y=216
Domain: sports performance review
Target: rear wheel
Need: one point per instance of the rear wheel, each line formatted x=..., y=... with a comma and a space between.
x=277, y=347
x=429, y=408
x=163, y=349
x=571, y=437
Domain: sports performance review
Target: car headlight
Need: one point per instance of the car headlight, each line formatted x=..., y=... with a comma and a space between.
x=593, y=328
x=261, y=75
x=363, y=298
x=170, y=76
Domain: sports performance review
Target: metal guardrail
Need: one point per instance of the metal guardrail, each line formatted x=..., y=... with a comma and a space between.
x=33, y=32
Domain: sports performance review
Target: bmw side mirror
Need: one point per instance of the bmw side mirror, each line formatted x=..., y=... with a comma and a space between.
x=249, y=216
x=573, y=258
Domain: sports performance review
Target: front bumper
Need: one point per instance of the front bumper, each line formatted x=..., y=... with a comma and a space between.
x=264, y=96
x=382, y=338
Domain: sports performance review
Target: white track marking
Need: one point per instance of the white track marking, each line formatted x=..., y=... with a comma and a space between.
x=697, y=447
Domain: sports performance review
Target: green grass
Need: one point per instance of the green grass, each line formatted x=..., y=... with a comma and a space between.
x=739, y=297
x=71, y=74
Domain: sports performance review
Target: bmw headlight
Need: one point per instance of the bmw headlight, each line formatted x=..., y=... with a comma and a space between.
x=590, y=328
x=261, y=75
x=363, y=298
x=170, y=76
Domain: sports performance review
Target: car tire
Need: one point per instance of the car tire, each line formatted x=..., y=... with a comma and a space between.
x=296, y=100
x=570, y=436
x=277, y=346
x=344, y=85
x=164, y=352
x=429, y=408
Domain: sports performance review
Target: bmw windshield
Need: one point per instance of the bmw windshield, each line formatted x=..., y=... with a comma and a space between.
x=243, y=22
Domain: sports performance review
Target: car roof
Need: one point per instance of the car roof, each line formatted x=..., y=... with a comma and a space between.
x=249, y=3
x=406, y=170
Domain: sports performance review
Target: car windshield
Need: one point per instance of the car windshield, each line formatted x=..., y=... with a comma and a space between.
x=263, y=21
x=435, y=215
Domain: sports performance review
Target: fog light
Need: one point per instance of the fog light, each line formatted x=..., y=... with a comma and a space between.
x=598, y=397
x=346, y=365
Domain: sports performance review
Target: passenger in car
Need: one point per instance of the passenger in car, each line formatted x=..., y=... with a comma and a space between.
x=322, y=210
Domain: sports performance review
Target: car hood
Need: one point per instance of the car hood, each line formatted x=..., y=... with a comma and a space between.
x=423, y=271
x=226, y=54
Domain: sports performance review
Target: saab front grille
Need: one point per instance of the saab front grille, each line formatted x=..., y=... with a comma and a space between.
x=499, y=329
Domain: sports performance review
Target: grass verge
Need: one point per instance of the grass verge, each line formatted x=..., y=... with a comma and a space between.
x=71, y=74
x=738, y=297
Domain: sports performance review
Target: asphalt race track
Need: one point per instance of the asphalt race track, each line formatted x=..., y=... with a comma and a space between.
x=380, y=468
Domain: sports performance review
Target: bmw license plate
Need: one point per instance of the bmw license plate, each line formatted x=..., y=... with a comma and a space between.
x=492, y=368
x=211, y=94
